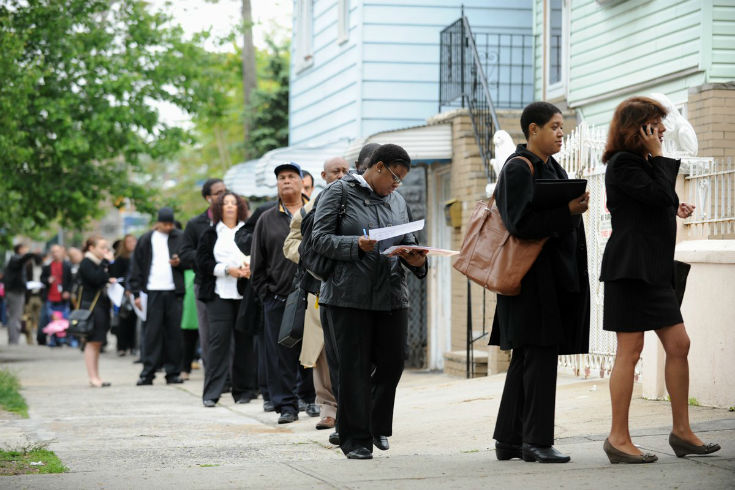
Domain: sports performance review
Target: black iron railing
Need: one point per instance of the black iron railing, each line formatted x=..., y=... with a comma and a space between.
x=462, y=79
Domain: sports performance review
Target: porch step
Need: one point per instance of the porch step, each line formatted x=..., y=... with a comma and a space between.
x=455, y=363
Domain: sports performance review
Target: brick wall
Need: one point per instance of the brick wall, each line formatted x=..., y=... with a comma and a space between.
x=710, y=109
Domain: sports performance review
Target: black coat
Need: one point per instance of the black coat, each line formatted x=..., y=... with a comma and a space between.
x=193, y=232
x=15, y=277
x=140, y=265
x=65, y=277
x=553, y=307
x=205, y=263
x=643, y=205
x=366, y=281
x=93, y=279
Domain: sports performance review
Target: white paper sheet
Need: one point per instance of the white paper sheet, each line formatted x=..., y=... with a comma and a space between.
x=397, y=230
x=431, y=250
x=115, y=292
x=142, y=312
x=31, y=285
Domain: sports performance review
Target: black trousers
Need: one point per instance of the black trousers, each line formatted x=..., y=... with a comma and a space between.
x=526, y=411
x=330, y=349
x=228, y=350
x=126, y=332
x=162, y=334
x=288, y=380
x=189, y=338
x=370, y=355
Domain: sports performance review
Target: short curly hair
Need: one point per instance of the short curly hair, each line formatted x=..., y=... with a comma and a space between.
x=242, y=207
x=391, y=154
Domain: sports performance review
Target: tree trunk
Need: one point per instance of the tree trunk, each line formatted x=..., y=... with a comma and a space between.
x=248, y=59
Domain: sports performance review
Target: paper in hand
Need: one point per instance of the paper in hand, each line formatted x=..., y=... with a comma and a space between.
x=397, y=230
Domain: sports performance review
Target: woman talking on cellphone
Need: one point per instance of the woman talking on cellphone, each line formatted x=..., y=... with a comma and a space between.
x=638, y=271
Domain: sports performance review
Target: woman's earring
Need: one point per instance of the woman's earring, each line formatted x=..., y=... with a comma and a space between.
x=379, y=171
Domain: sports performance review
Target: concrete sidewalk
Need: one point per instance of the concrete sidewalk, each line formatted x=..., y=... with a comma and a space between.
x=162, y=437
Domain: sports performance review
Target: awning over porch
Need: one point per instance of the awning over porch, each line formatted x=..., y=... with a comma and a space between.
x=431, y=143
x=241, y=179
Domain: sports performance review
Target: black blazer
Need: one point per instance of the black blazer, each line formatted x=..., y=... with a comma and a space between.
x=93, y=278
x=643, y=205
x=65, y=276
x=190, y=241
x=205, y=263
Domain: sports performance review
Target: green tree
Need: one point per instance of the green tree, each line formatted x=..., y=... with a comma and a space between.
x=80, y=81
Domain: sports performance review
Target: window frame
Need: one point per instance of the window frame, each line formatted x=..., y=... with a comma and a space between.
x=343, y=21
x=559, y=88
x=304, y=35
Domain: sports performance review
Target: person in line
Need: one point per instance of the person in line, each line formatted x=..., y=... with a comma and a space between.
x=551, y=314
x=189, y=327
x=94, y=276
x=75, y=258
x=224, y=271
x=272, y=276
x=253, y=307
x=128, y=320
x=312, y=344
x=33, y=311
x=366, y=297
x=156, y=270
x=56, y=277
x=363, y=159
x=15, y=280
x=638, y=271
x=212, y=190
x=308, y=181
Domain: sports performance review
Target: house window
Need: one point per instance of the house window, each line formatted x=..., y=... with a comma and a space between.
x=556, y=41
x=303, y=49
x=343, y=21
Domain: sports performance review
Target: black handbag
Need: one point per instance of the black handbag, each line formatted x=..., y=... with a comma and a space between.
x=316, y=264
x=81, y=322
x=292, y=325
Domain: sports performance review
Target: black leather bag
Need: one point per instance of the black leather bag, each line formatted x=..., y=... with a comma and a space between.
x=316, y=264
x=292, y=325
x=81, y=321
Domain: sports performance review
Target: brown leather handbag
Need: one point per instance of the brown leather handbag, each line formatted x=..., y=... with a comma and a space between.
x=490, y=255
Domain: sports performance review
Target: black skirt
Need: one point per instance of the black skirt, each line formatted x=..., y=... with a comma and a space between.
x=101, y=316
x=633, y=305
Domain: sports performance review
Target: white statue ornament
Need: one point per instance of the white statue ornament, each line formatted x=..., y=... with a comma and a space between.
x=680, y=140
x=504, y=147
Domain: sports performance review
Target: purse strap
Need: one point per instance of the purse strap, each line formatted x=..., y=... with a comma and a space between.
x=94, y=302
x=530, y=166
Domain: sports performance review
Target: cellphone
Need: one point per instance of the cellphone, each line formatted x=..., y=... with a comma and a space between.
x=645, y=129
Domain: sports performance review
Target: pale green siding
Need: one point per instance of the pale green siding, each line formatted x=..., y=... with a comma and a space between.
x=722, y=68
x=629, y=43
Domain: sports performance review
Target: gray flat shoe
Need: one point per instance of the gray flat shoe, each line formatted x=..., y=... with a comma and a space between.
x=617, y=456
x=683, y=448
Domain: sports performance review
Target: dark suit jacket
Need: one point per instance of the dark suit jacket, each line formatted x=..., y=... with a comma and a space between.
x=65, y=279
x=643, y=204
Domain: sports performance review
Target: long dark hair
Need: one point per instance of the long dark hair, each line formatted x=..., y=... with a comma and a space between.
x=625, y=127
x=242, y=207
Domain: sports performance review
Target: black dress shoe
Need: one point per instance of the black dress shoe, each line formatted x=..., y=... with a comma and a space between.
x=381, y=442
x=174, y=381
x=243, y=400
x=505, y=451
x=209, y=403
x=143, y=382
x=313, y=410
x=268, y=406
x=360, y=453
x=288, y=417
x=334, y=438
x=542, y=454
x=302, y=406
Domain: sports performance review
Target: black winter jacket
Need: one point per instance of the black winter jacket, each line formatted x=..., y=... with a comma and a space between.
x=140, y=264
x=643, y=205
x=366, y=281
x=93, y=279
x=14, y=277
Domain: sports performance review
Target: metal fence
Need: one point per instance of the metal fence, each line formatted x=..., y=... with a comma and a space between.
x=710, y=186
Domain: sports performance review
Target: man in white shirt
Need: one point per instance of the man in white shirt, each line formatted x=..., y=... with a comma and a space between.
x=156, y=270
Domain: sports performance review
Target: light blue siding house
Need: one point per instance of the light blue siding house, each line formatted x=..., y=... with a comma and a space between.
x=364, y=66
x=612, y=49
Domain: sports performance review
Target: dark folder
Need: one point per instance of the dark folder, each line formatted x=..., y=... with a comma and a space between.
x=552, y=193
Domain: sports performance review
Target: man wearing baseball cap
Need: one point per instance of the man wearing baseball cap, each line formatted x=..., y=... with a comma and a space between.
x=156, y=270
x=272, y=276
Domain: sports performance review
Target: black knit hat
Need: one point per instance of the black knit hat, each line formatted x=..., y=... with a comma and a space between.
x=165, y=215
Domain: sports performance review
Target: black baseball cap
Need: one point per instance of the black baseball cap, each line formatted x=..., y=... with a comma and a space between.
x=289, y=166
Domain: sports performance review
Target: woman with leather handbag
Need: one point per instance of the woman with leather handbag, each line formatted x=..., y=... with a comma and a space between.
x=93, y=277
x=550, y=316
x=640, y=275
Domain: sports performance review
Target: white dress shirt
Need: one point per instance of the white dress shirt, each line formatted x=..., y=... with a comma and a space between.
x=161, y=277
x=227, y=254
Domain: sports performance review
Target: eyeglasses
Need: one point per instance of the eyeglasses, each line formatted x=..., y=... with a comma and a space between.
x=396, y=179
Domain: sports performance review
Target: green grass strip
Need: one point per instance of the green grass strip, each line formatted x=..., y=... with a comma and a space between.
x=20, y=462
x=10, y=397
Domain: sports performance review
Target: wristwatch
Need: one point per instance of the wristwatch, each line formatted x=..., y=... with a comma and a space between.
x=227, y=268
